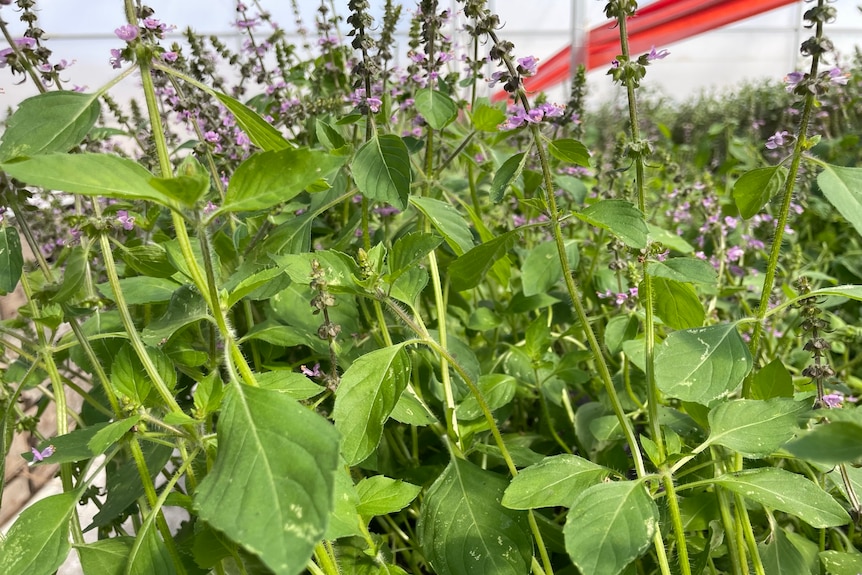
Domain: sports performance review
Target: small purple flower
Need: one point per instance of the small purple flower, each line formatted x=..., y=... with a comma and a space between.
x=657, y=54
x=39, y=456
x=778, y=139
x=116, y=58
x=374, y=104
x=838, y=77
x=833, y=400
x=170, y=56
x=528, y=65
x=127, y=32
x=125, y=220
x=615, y=63
x=211, y=137
x=210, y=208
x=495, y=78
x=792, y=79
x=311, y=372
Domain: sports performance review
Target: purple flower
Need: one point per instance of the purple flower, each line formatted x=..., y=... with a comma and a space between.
x=211, y=137
x=39, y=456
x=311, y=372
x=374, y=104
x=251, y=23
x=495, y=78
x=116, y=58
x=125, y=220
x=792, y=79
x=833, y=400
x=778, y=139
x=127, y=32
x=170, y=56
x=210, y=208
x=528, y=66
x=657, y=55
x=551, y=110
x=838, y=77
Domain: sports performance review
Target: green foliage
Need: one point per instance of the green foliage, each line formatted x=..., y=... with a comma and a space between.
x=330, y=326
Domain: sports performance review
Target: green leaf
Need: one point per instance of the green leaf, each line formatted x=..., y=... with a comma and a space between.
x=554, y=482
x=381, y=169
x=77, y=269
x=11, y=259
x=506, y=175
x=267, y=179
x=47, y=123
x=498, y=389
x=290, y=383
x=788, y=492
x=140, y=290
x=151, y=557
x=677, y=303
x=610, y=525
x=106, y=556
x=691, y=270
x=843, y=188
x=829, y=443
x=328, y=136
x=337, y=269
x=781, y=557
x=487, y=119
x=570, y=151
x=258, y=130
x=186, y=307
x=755, y=188
x=437, y=108
x=129, y=377
x=702, y=364
x=184, y=190
x=448, y=222
x=38, y=541
x=542, y=270
x=344, y=521
x=381, y=495
x=849, y=291
x=70, y=447
x=838, y=563
x=772, y=380
x=110, y=434
x=754, y=428
x=669, y=240
x=468, y=270
x=89, y=175
x=367, y=394
x=619, y=330
x=273, y=279
x=271, y=487
x=464, y=530
x=409, y=250
x=620, y=218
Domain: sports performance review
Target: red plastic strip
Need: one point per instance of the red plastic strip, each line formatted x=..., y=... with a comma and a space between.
x=657, y=24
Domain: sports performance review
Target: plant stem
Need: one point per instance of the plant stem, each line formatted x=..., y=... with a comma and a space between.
x=781, y=220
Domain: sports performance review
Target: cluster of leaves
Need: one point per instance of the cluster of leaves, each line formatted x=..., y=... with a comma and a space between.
x=387, y=327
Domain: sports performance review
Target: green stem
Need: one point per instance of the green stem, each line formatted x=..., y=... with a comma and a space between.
x=647, y=297
x=155, y=504
x=783, y=214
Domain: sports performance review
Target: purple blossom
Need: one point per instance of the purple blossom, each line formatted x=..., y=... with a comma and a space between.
x=495, y=78
x=125, y=220
x=127, y=32
x=778, y=139
x=116, y=58
x=735, y=253
x=39, y=456
x=792, y=79
x=657, y=54
x=528, y=65
x=838, y=77
x=211, y=136
x=250, y=23
x=833, y=400
x=170, y=56
x=311, y=372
